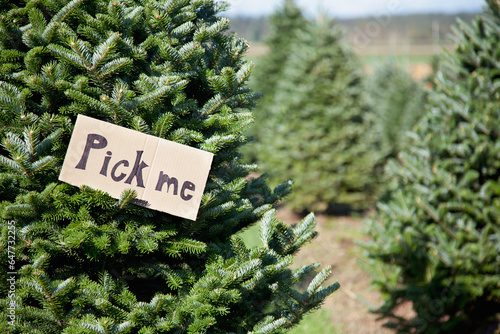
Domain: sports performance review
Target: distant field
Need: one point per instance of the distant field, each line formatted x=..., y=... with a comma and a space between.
x=414, y=53
x=373, y=59
x=257, y=49
x=409, y=54
x=417, y=58
x=401, y=49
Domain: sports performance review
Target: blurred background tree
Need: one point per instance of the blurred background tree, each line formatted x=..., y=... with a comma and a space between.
x=316, y=130
x=285, y=25
x=398, y=102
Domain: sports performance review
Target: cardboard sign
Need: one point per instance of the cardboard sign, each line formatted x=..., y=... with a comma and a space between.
x=167, y=176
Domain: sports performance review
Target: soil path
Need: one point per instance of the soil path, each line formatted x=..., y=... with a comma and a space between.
x=336, y=246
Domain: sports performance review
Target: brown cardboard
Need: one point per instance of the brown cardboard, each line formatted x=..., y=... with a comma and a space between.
x=167, y=176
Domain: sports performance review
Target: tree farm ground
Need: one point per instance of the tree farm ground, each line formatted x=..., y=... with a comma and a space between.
x=347, y=311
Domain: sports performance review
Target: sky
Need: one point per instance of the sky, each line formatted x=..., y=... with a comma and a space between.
x=357, y=8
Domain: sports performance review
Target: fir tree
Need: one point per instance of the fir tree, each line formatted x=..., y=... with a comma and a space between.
x=398, y=102
x=436, y=240
x=316, y=132
x=286, y=24
x=88, y=263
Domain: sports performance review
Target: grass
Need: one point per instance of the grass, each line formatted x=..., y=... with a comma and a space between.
x=251, y=236
x=318, y=322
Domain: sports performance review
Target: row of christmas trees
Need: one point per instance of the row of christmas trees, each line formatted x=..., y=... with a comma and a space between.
x=321, y=122
x=435, y=238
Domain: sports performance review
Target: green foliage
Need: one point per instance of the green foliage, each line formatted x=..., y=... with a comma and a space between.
x=286, y=25
x=436, y=240
x=316, y=131
x=88, y=263
x=399, y=103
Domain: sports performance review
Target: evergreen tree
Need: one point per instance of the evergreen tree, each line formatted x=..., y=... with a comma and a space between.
x=399, y=103
x=88, y=263
x=286, y=23
x=436, y=240
x=316, y=132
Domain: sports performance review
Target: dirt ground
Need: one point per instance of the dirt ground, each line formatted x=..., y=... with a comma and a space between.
x=336, y=246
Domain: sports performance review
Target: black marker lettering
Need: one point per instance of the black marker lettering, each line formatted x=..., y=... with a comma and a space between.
x=137, y=170
x=164, y=178
x=189, y=186
x=104, y=169
x=93, y=141
x=113, y=171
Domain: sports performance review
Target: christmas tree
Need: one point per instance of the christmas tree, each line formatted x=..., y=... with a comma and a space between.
x=80, y=261
x=399, y=103
x=286, y=24
x=436, y=240
x=316, y=131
